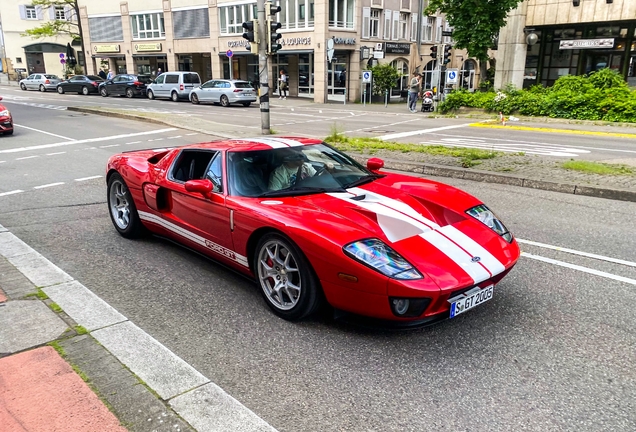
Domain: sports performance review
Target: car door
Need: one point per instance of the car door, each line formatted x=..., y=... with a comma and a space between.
x=119, y=84
x=204, y=221
x=206, y=91
x=34, y=83
x=75, y=83
x=157, y=86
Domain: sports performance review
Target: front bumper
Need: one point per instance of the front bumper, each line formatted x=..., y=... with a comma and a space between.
x=6, y=124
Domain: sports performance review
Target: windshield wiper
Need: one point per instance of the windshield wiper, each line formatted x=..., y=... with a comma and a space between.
x=363, y=180
x=298, y=191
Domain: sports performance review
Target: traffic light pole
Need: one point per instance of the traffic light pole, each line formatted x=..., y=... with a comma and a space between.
x=262, y=66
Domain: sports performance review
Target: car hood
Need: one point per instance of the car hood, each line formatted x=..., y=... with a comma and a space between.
x=422, y=220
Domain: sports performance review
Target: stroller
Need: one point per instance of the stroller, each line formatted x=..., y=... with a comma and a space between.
x=427, y=101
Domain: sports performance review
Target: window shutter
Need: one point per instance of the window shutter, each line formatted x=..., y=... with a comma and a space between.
x=396, y=24
x=38, y=12
x=22, y=11
x=438, y=29
x=52, y=13
x=414, y=27
x=387, y=24
x=366, y=22
x=69, y=13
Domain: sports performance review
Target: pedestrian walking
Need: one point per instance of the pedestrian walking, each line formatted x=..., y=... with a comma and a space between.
x=414, y=90
x=282, y=85
x=102, y=74
x=110, y=74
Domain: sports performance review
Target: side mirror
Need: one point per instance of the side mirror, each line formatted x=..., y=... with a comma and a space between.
x=203, y=187
x=375, y=164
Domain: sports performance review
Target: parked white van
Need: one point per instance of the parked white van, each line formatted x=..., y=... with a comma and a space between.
x=173, y=85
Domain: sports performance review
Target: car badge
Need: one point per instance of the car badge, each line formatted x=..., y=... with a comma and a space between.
x=476, y=259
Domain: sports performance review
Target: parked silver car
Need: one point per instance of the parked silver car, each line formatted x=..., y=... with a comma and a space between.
x=173, y=85
x=42, y=82
x=225, y=92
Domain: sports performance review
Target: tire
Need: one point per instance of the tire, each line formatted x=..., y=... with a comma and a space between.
x=150, y=95
x=194, y=99
x=279, y=261
x=129, y=93
x=60, y=89
x=246, y=104
x=121, y=208
x=103, y=92
x=23, y=87
x=85, y=91
x=225, y=102
x=42, y=88
x=174, y=97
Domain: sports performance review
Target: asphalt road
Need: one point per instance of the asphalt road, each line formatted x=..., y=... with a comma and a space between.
x=553, y=350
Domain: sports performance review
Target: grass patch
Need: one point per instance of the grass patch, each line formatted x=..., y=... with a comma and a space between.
x=57, y=347
x=55, y=307
x=468, y=156
x=81, y=330
x=39, y=294
x=598, y=168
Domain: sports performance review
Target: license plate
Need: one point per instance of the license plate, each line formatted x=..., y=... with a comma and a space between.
x=247, y=94
x=470, y=299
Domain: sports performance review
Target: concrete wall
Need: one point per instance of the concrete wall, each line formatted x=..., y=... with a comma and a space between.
x=549, y=12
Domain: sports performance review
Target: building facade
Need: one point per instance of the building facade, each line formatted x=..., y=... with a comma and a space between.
x=143, y=36
x=546, y=39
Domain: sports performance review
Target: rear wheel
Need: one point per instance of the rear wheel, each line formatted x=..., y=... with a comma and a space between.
x=246, y=104
x=225, y=102
x=129, y=93
x=174, y=96
x=103, y=92
x=121, y=206
x=42, y=88
x=22, y=86
x=85, y=91
x=194, y=99
x=150, y=95
x=287, y=281
x=60, y=89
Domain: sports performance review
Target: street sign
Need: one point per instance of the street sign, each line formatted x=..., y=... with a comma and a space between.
x=61, y=55
x=452, y=76
x=447, y=32
x=330, y=49
x=229, y=53
x=366, y=76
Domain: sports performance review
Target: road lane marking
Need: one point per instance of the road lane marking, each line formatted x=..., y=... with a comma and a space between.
x=579, y=268
x=27, y=157
x=575, y=252
x=509, y=148
x=108, y=146
x=88, y=178
x=43, y=132
x=420, y=132
x=56, y=153
x=194, y=133
x=11, y=192
x=553, y=130
x=174, y=137
x=2, y=161
x=133, y=142
x=48, y=185
x=84, y=141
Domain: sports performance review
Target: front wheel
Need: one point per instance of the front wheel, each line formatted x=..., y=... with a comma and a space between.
x=286, y=278
x=129, y=93
x=23, y=87
x=42, y=88
x=150, y=95
x=103, y=92
x=121, y=206
x=225, y=102
x=194, y=99
x=60, y=90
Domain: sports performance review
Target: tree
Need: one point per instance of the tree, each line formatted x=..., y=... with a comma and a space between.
x=476, y=23
x=71, y=26
x=384, y=78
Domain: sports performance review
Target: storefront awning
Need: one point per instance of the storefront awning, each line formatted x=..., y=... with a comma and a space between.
x=150, y=55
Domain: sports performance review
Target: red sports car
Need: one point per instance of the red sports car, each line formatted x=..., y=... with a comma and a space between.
x=6, y=121
x=311, y=224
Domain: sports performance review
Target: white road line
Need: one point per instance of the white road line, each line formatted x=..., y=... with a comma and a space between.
x=88, y=178
x=43, y=132
x=11, y=192
x=27, y=157
x=575, y=252
x=133, y=142
x=84, y=141
x=421, y=131
x=174, y=137
x=190, y=134
x=107, y=146
x=48, y=185
x=56, y=153
x=2, y=161
x=579, y=268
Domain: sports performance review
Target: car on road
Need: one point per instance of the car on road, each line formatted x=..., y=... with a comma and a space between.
x=224, y=92
x=125, y=85
x=6, y=121
x=173, y=85
x=40, y=81
x=82, y=84
x=309, y=223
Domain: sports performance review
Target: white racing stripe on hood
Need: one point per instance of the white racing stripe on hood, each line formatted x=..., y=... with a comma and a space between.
x=276, y=142
x=214, y=247
x=399, y=221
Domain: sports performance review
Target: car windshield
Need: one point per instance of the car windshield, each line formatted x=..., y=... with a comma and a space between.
x=292, y=171
x=243, y=85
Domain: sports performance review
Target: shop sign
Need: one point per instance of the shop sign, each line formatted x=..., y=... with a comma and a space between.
x=586, y=43
x=295, y=41
x=237, y=43
x=106, y=48
x=397, y=48
x=148, y=47
x=344, y=41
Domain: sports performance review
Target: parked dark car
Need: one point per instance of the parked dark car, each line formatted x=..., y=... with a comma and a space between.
x=125, y=85
x=82, y=84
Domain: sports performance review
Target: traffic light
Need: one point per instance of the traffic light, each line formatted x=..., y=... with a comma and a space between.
x=447, y=54
x=434, y=51
x=272, y=28
x=251, y=35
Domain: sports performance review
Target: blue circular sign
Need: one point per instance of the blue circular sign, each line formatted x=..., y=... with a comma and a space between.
x=61, y=55
x=229, y=53
x=452, y=75
x=366, y=75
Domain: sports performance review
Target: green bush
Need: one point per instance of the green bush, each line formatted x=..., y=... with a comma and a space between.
x=602, y=95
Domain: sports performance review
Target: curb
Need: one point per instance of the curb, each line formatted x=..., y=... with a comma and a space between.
x=428, y=169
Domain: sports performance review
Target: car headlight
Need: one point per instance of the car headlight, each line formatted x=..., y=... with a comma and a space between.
x=377, y=255
x=488, y=218
x=5, y=113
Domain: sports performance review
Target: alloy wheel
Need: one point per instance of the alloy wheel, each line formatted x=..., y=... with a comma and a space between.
x=195, y=99
x=42, y=88
x=225, y=101
x=279, y=275
x=119, y=204
x=84, y=90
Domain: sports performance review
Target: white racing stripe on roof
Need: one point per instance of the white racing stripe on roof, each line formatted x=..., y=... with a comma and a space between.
x=214, y=247
x=289, y=142
x=272, y=142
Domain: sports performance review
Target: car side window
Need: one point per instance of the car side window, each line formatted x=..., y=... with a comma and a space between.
x=172, y=79
x=37, y=77
x=159, y=79
x=77, y=78
x=208, y=84
x=191, y=165
x=215, y=173
x=30, y=77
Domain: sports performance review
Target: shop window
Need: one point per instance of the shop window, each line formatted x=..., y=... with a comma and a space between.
x=341, y=13
x=18, y=59
x=402, y=83
x=148, y=26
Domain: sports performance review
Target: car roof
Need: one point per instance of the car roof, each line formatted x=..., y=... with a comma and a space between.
x=254, y=144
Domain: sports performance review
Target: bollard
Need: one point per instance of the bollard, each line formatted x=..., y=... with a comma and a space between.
x=364, y=96
x=386, y=98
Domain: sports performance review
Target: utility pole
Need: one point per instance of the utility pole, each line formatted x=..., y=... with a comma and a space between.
x=263, y=73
